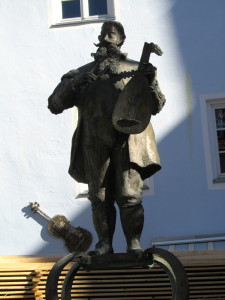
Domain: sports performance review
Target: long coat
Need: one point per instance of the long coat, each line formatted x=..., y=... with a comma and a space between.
x=142, y=150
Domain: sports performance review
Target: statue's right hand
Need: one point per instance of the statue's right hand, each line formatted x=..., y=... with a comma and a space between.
x=84, y=79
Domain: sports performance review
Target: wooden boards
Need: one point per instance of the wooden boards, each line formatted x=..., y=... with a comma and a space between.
x=24, y=277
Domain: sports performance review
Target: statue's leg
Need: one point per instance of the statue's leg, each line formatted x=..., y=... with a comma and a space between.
x=132, y=220
x=104, y=227
x=97, y=163
x=129, y=186
x=110, y=208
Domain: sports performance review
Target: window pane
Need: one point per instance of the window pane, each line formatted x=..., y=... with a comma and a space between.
x=221, y=139
x=220, y=117
x=71, y=9
x=222, y=162
x=97, y=7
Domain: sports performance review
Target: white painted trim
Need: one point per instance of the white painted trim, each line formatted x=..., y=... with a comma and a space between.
x=55, y=12
x=111, y=7
x=56, y=20
x=84, y=9
x=208, y=103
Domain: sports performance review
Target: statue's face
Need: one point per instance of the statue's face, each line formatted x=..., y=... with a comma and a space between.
x=111, y=35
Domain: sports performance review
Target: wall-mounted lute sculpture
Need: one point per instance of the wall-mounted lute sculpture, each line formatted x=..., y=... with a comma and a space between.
x=76, y=238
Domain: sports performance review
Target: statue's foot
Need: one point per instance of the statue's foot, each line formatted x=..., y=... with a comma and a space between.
x=134, y=247
x=101, y=248
x=134, y=251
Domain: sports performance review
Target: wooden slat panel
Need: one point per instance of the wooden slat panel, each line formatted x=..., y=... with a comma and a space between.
x=15, y=296
x=25, y=278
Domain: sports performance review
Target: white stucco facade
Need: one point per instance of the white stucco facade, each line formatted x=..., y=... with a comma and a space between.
x=35, y=145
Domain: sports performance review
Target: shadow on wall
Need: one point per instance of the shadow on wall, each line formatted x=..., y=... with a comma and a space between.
x=201, y=42
x=54, y=245
x=184, y=195
x=181, y=195
x=184, y=204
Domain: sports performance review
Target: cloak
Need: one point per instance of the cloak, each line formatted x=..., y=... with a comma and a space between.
x=142, y=149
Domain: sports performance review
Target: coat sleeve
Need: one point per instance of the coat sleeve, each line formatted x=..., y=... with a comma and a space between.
x=65, y=95
x=158, y=98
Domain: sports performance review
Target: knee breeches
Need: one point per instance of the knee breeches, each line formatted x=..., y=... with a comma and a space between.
x=110, y=177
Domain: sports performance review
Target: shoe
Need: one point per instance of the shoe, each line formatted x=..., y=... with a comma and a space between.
x=101, y=248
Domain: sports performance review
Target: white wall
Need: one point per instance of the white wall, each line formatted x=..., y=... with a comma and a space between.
x=35, y=145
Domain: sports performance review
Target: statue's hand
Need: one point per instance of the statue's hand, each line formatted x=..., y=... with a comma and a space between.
x=149, y=71
x=84, y=79
x=78, y=80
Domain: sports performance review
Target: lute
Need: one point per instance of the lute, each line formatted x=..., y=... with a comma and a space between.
x=76, y=238
x=133, y=108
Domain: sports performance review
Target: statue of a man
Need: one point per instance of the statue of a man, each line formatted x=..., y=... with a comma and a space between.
x=113, y=164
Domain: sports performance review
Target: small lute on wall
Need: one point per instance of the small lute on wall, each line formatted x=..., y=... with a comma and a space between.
x=76, y=238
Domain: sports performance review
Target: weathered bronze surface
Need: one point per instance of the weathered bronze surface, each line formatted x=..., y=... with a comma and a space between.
x=133, y=108
x=105, y=155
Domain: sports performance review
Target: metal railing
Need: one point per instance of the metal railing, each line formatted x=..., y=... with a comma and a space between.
x=190, y=241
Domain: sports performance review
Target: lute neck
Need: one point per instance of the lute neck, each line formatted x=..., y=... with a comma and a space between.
x=147, y=49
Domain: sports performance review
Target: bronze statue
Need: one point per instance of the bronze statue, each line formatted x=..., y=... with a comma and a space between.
x=111, y=161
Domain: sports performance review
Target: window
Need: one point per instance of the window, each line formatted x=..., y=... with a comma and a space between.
x=65, y=12
x=220, y=133
x=213, y=121
x=71, y=9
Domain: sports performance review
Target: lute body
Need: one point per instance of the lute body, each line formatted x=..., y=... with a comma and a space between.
x=133, y=108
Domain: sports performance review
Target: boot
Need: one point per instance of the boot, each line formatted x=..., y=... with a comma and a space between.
x=104, y=223
x=132, y=220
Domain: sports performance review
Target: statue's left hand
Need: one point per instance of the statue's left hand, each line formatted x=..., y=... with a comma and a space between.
x=149, y=71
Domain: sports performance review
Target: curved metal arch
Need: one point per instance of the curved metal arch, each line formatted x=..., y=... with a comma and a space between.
x=166, y=260
x=175, y=271
x=67, y=284
x=53, y=277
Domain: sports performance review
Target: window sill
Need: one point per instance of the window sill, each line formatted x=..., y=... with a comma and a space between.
x=219, y=180
x=72, y=22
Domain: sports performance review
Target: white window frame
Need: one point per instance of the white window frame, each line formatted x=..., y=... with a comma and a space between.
x=55, y=8
x=209, y=103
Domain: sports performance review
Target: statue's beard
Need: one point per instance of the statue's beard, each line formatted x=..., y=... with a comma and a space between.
x=107, y=50
x=108, y=55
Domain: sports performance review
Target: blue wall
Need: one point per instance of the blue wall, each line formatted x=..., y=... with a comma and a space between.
x=36, y=145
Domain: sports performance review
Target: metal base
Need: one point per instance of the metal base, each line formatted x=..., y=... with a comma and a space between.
x=166, y=260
